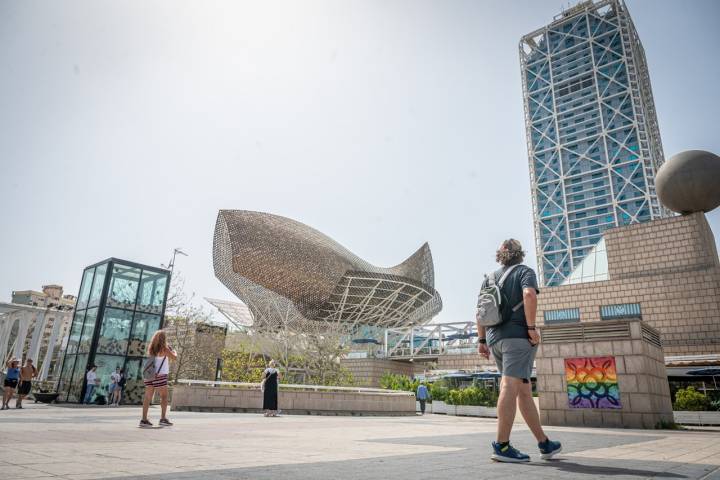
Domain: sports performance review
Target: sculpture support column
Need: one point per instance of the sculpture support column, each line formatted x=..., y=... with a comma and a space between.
x=57, y=325
x=24, y=320
x=6, y=323
x=39, y=329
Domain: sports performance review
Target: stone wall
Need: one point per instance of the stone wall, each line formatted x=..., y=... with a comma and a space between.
x=366, y=372
x=466, y=361
x=670, y=268
x=641, y=377
x=206, y=398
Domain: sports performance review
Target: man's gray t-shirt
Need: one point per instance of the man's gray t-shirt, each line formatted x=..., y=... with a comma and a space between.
x=514, y=327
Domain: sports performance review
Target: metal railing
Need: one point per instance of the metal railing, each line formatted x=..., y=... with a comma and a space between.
x=430, y=340
x=292, y=386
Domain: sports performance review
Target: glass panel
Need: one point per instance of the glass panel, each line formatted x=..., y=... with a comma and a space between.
x=602, y=264
x=88, y=330
x=562, y=316
x=75, y=331
x=124, y=287
x=106, y=365
x=77, y=379
x=66, y=375
x=143, y=329
x=114, y=332
x=152, y=292
x=134, y=389
x=96, y=291
x=626, y=310
x=85, y=288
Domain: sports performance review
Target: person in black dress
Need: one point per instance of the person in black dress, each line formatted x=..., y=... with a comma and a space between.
x=271, y=377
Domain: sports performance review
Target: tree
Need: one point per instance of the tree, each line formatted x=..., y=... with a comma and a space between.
x=690, y=399
x=312, y=359
x=196, y=340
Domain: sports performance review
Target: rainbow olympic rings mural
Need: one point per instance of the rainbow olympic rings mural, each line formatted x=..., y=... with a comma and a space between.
x=592, y=382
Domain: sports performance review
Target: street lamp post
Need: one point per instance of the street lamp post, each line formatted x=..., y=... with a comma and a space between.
x=171, y=265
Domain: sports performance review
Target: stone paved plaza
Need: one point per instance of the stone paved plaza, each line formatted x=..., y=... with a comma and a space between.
x=97, y=442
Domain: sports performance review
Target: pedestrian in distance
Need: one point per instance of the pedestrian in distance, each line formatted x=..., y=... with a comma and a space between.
x=112, y=386
x=507, y=306
x=119, y=388
x=27, y=375
x=12, y=377
x=422, y=396
x=91, y=382
x=155, y=376
x=269, y=387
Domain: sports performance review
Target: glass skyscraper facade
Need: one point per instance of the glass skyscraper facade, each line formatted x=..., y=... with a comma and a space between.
x=119, y=307
x=593, y=139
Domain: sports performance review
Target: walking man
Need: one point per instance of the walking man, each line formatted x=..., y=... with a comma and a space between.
x=422, y=396
x=27, y=375
x=513, y=343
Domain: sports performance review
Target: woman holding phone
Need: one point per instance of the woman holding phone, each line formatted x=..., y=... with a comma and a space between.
x=160, y=353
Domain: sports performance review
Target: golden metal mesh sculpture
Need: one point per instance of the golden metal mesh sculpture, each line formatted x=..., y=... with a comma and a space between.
x=293, y=277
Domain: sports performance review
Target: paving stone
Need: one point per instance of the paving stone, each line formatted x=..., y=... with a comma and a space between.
x=80, y=444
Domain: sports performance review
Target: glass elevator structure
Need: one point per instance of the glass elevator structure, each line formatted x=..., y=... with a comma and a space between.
x=120, y=306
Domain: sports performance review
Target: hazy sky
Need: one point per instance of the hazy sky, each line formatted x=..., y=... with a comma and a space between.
x=126, y=126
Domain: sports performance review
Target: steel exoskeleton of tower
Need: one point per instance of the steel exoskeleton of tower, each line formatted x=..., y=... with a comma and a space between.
x=592, y=132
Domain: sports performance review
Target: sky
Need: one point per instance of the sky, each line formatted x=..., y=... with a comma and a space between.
x=126, y=126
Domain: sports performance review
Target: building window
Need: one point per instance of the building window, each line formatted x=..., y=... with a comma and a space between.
x=567, y=315
x=625, y=310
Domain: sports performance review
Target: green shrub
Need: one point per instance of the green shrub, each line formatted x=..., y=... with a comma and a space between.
x=665, y=425
x=690, y=399
x=472, y=396
x=394, y=381
x=438, y=391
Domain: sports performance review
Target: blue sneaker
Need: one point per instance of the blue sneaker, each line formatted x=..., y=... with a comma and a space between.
x=508, y=453
x=548, y=449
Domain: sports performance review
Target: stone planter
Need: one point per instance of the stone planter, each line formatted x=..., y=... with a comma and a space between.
x=475, y=411
x=697, y=418
x=208, y=396
x=439, y=407
x=428, y=407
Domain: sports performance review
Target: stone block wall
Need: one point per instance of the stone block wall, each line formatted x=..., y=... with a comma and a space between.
x=205, y=398
x=641, y=376
x=366, y=372
x=670, y=268
x=466, y=361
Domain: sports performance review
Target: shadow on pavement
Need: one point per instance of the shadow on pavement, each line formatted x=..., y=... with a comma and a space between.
x=572, y=467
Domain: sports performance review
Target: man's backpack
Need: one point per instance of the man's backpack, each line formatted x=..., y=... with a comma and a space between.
x=491, y=301
x=149, y=371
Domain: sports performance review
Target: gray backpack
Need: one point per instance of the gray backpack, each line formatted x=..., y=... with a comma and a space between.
x=149, y=372
x=490, y=300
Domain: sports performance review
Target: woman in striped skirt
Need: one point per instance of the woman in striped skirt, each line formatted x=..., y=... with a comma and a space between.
x=163, y=354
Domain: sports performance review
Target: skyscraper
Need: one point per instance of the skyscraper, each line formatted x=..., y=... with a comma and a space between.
x=593, y=139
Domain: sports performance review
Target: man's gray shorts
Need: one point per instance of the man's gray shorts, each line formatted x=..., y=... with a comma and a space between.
x=514, y=357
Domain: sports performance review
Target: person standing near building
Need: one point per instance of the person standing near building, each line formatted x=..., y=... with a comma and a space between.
x=160, y=354
x=90, y=384
x=27, y=375
x=12, y=377
x=114, y=379
x=422, y=396
x=269, y=386
x=119, y=388
x=513, y=343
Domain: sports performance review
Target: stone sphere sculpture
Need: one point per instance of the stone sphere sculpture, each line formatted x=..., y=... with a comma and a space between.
x=690, y=182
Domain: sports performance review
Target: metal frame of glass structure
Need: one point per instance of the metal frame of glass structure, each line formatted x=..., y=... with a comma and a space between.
x=120, y=305
x=592, y=134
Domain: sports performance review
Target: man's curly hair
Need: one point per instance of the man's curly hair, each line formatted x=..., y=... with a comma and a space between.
x=510, y=253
